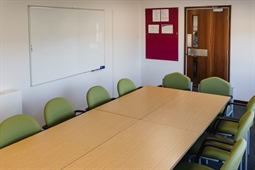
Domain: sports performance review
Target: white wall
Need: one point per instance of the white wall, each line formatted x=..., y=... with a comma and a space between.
x=15, y=70
x=126, y=62
x=124, y=53
x=242, y=56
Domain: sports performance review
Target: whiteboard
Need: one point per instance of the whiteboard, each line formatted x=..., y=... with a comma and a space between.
x=64, y=42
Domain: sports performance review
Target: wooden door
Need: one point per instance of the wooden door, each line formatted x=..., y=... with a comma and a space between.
x=207, y=42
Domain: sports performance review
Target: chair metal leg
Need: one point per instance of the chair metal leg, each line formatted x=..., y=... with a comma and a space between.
x=248, y=139
x=206, y=161
x=246, y=159
x=191, y=157
x=241, y=165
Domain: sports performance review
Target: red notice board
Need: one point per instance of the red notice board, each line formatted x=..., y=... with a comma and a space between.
x=161, y=33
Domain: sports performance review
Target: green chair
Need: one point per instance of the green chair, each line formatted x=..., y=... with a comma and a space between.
x=216, y=85
x=229, y=126
x=209, y=152
x=177, y=80
x=125, y=86
x=58, y=110
x=231, y=163
x=16, y=128
x=96, y=96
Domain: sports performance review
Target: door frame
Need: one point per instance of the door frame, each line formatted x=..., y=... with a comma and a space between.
x=229, y=34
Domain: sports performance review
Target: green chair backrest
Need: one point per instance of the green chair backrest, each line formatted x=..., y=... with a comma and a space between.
x=251, y=104
x=235, y=156
x=57, y=110
x=215, y=85
x=16, y=128
x=125, y=86
x=244, y=125
x=176, y=80
x=97, y=96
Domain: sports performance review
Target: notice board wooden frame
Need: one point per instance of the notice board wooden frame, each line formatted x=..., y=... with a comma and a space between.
x=160, y=45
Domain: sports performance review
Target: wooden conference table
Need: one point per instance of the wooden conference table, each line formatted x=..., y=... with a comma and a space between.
x=150, y=128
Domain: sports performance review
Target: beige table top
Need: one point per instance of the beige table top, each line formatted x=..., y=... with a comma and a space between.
x=64, y=143
x=161, y=137
x=151, y=128
x=190, y=110
x=145, y=145
x=140, y=102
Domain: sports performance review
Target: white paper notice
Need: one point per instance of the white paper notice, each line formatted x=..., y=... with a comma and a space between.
x=164, y=13
x=155, y=15
x=167, y=29
x=153, y=29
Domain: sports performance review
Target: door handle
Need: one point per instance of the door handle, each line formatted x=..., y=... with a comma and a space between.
x=189, y=52
x=197, y=52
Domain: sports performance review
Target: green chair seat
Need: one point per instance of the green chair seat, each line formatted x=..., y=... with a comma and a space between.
x=191, y=166
x=16, y=128
x=225, y=128
x=209, y=151
x=232, y=162
x=228, y=127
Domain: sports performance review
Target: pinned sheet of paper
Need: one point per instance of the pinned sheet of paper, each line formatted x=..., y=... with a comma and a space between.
x=153, y=29
x=164, y=15
x=167, y=29
x=156, y=15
